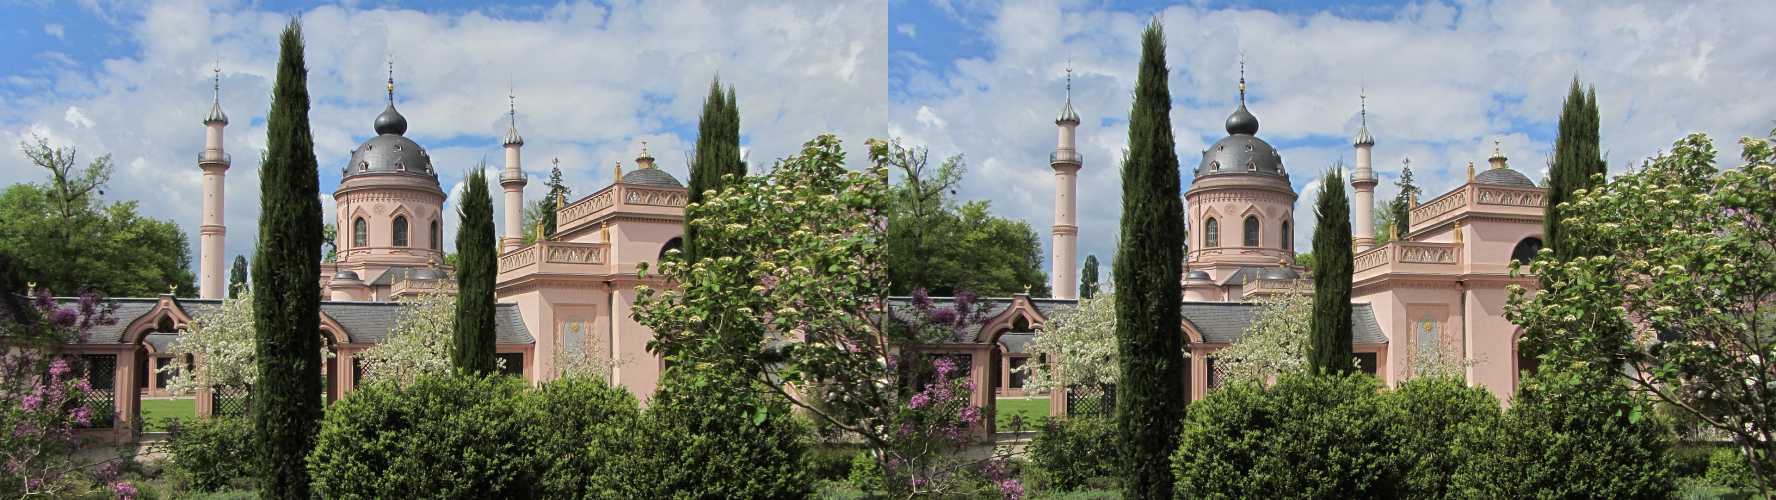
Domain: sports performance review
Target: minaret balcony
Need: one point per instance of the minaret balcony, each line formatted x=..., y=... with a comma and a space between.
x=1360, y=176
x=511, y=176
x=213, y=156
x=1066, y=156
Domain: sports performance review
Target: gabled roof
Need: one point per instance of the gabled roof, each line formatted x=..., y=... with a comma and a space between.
x=364, y=322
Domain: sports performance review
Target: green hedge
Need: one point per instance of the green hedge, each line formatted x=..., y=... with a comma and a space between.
x=1425, y=417
x=1305, y=437
x=1728, y=467
x=210, y=453
x=1568, y=435
x=451, y=437
x=1076, y=452
x=698, y=440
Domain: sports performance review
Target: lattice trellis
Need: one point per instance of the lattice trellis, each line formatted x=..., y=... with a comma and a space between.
x=1093, y=401
x=101, y=374
x=231, y=400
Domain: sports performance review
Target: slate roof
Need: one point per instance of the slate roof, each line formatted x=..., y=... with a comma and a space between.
x=1017, y=342
x=364, y=322
x=1220, y=322
x=1226, y=322
x=651, y=177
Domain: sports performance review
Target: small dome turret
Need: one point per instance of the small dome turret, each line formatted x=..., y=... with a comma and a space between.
x=512, y=137
x=391, y=121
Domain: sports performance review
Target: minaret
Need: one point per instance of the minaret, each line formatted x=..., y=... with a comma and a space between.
x=212, y=283
x=1066, y=161
x=1363, y=180
x=512, y=179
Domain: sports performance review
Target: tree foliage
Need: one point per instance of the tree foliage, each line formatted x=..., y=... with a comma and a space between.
x=1080, y=342
x=806, y=313
x=63, y=236
x=1399, y=211
x=223, y=337
x=419, y=345
x=1273, y=345
x=716, y=157
x=1577, y=157
x=1088, y=277
x=1149, y=260
x=473, y=342
x=287, y=299
x=937, y=244
x=238, y=277
x=1329, y=329
x=1684, y=296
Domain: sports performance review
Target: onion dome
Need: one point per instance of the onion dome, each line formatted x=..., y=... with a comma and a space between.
x=1363, y=137
x=1067, y=114
x=215, y=115
x=391, y=121
x=346, y=276
x=1241, y=122
x=512, y=137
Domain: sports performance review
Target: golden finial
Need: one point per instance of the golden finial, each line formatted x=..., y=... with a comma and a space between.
x=539, y=234
x=644, y=148
x=1394, y=231
x=31, y=288
x=1242, y=77
x=1458, y=231
x=1026, y=289
x=1470, y=171
x=173, y=289
x=391, y=78
x=619, y=172
x=604, y=231
x=560, y=202
x=431, y=262
x=1495, y=148
x=1414, y=200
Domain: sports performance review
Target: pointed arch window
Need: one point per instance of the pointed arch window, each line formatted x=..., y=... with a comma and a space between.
x=1251, y=231
x=400, y=231
x=1287, y=241
x=1211, y=233
x=434, y=234
x=360, y=233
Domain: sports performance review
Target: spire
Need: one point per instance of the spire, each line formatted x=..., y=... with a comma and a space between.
x=644, y=161
x=1067, y=114
x=216, y=115
x=512, y=137
x=1498, y=158
x=1242, y=121
x=1363, y=137
x=391, y=121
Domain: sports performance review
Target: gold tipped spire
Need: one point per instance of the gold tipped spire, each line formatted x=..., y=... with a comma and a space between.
x=1242, y=78
x=391, y=80
x=1470, y=171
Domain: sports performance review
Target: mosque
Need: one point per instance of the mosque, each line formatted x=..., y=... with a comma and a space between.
x=1437, y=288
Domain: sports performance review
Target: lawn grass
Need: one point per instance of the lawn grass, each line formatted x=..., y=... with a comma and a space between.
x=155, y=412
x=1035, y=410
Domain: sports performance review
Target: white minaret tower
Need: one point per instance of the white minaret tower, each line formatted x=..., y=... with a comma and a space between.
x=1363, y=180
x=212, y=283
x=1066, y=161
x=512, y=179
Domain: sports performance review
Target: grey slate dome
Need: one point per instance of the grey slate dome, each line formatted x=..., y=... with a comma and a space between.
x=346, y=276
x=390, y=152
x=428, y=273
x=1503, y=177
x=651, y=177
x=1197, y=275
x=1281, y=273
x=1241, y=152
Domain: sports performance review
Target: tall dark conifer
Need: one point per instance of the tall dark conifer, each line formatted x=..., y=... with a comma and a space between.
x=1088, y=278
x=1577, y=155
x=1149, y=259
x=237, y=277
x=1329, y=330
x=718, y=154
x=287, y=302
x=472, y=340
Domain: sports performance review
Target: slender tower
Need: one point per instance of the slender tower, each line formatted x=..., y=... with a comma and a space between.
x=214, y=162
x=1066, y=162
x=512, y=179
x=1363, y=180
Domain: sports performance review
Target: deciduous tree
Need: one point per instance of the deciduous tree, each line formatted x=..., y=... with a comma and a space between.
x=937, y=244
x=1080, y=342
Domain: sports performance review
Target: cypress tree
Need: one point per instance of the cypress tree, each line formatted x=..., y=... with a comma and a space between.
x=1402, y=204
x=1577, y=155
x=1149, y=260
x=287, y=305
x=472, y=340
x=1329, y=330
x=717, y=154
x=1088, y=278
x=237, y=277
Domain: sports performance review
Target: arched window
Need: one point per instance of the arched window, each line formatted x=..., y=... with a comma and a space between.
x=1526, y=250
x=672, y=244
x=1251, y=230
x=435, y=236
x=360, y=233
x=400, y=231
x=1211, y=233
x=1285, y=235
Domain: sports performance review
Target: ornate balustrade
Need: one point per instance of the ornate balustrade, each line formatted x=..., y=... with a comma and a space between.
x=209, y=156
x=1372, y=258
x=550, y=255
x=1490, y=195
x=581, y=209
x=627, y=195
x=1442, y=205
x=1406, y=252
x=1066, y=156
x=518, y=259
x=1274, y=286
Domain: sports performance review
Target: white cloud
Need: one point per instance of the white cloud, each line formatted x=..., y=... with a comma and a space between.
x=1443, y=82
x=55, y=30
x=592, y=82
x=909, y=29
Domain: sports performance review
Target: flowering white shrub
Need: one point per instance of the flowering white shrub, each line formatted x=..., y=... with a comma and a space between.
x=1082, y=339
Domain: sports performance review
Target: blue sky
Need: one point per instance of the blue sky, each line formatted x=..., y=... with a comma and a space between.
x=982, y=78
